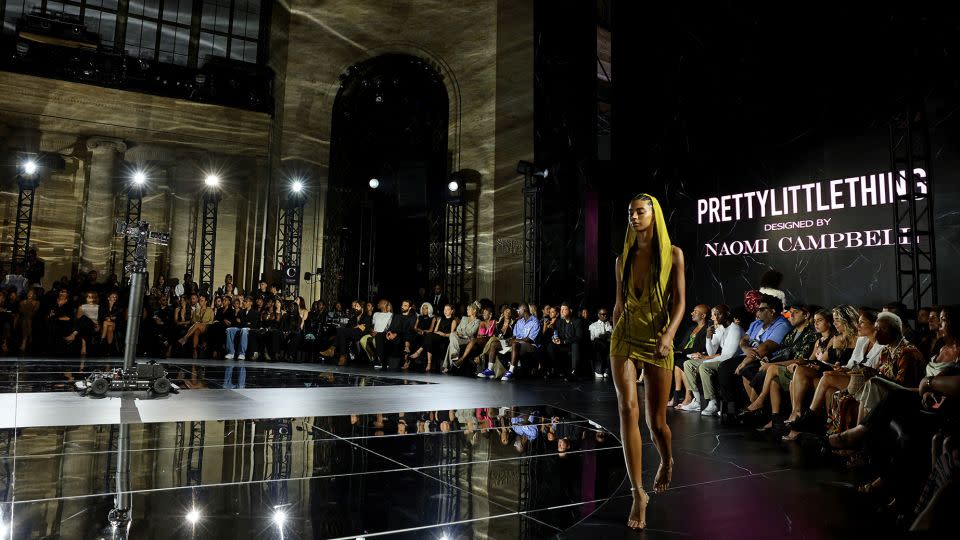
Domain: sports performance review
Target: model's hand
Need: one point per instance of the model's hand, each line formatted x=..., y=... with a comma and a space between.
x=664, y=346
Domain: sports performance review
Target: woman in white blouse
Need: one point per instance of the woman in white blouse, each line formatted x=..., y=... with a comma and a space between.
x=721, y=345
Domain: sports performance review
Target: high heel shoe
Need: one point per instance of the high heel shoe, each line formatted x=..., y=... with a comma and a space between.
x=749, y=416
x=809, y=422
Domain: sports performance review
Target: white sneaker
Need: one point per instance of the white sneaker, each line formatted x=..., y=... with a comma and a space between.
x=228, y=357
x=597, y=375
x=712, y=409
x=242, y=357
x=693, y=406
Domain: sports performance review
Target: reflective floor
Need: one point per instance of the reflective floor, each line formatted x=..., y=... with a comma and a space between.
x=59, y=375
x=479, y=470
x=301, y=451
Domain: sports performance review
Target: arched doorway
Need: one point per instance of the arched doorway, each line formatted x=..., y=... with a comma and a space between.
x=390, y=122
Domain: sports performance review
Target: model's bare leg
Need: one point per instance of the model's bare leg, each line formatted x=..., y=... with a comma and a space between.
x=625, y=381
x=655, y=396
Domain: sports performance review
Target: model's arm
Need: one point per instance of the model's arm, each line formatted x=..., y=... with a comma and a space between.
x=618, y=306
x=679, y=295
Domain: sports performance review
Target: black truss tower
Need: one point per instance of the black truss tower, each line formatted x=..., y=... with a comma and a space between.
x=913, y=218
x=208, y=240
x=24, y=223
x=134, y=210
x=532, y=236
x=436, y=270
x=453, y=249
x=290, y=242
x=192, y=242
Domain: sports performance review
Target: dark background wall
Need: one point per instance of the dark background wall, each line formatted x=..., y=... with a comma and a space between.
x=737, y=97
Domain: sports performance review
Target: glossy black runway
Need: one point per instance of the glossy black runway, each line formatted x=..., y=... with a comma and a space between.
x=528, y=460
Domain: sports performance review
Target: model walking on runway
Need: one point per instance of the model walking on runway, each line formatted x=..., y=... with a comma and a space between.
x=649, y=308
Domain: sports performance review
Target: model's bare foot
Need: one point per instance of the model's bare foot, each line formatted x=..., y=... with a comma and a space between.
x=638, y=512
x=664, y=476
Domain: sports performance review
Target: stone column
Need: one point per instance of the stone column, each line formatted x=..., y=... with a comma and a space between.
x=98, y=228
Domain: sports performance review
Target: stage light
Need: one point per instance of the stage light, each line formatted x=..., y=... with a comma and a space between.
x=212, y=180
x=29, y=167
x=453, y=185
x=193, y=516
x=279, y=518
x=139, y=178
x=296, y=186
x=374, y=183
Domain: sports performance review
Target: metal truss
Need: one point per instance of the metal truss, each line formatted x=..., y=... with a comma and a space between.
x=24, y=222
x=532, y=237
x=453, y=249
x=290, y=241
x=208, y=241
x=134, y=211
x=911, y=165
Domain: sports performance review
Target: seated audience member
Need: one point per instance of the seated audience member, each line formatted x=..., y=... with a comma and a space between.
x=899, y=362
x=246, y=319
x=498, y=343
x=352, y=332
x=228, y=288
x=422, y=332
x=939, y=494
x=26, y=314
x=16, y=280
x=61, y=325
x=485, y=331
x=224, y=316
x=927, y=340
x=466, y=331
x=159, y=327
x=728, y=330
x=398, y=333
x=88, y=322
x=440, y=340
x=774, y=374
x=268, y=335
x=567, y=341
x=523, y=344
x=111, y=319
x=286, y=341
x=845, y=322
x=923, y=325
x=600, y=332
x=202, y=317
x=694, y=340
x=381, y=321
x=763, y=338
x=182, y=318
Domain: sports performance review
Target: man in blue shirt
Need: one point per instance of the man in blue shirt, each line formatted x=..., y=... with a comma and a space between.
x=524, y=341
x=762, y=339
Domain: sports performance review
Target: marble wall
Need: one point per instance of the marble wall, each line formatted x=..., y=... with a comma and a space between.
x=103, y=135
x=483, y=49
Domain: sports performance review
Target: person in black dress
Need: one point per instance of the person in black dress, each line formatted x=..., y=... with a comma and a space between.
x=359, y=323
x=440, y=339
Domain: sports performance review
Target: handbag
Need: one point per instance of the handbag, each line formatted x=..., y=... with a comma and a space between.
x=859, y=375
